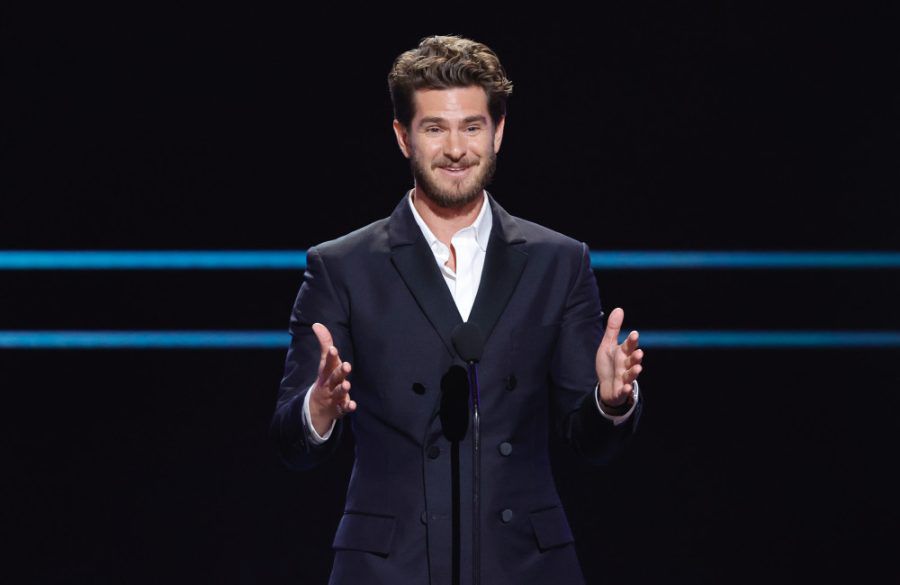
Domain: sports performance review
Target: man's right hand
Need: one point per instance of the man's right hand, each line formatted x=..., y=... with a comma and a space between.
x=331, y=394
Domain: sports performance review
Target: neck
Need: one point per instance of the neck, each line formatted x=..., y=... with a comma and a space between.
x=444, y=222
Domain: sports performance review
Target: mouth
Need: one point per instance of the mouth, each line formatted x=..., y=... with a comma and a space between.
x=455, y=171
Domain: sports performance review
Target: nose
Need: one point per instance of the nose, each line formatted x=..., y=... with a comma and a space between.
x=455, y=145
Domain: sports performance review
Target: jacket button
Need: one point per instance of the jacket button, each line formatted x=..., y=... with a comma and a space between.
x=418, y=388
x=510, y=382
x=434, y=452
x=424, y=517
x=505, y=449
x=506, y=515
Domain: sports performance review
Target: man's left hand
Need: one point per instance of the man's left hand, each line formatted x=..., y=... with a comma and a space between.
x=617, y=365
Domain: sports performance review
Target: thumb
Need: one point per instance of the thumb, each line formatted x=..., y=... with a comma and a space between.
x=613, y=326
x=324, y=337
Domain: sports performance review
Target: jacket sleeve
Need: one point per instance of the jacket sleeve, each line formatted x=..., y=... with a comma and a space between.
x=574, y=375
x=318, y=300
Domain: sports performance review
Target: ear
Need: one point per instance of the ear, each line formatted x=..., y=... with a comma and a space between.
x=498, y=134
x=402, y=137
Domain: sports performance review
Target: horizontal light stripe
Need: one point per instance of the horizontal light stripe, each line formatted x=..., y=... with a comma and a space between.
x=152, y=260
x=768, y=339
x=281, y=340
x=744, y=260
x=296, y=259
x=142, y=339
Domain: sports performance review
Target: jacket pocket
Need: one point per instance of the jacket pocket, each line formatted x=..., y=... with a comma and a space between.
x=551, y=527
x=366, y=532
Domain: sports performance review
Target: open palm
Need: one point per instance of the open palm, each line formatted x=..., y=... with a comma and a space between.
x=618, y=365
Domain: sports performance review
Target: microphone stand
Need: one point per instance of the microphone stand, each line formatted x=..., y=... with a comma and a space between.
x=469, y=344
x=476, y=471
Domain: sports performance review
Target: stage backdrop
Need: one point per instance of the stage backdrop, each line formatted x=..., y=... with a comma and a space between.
x=744, y=157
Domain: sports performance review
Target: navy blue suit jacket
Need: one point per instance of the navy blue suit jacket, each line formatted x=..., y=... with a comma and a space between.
x=381, y=294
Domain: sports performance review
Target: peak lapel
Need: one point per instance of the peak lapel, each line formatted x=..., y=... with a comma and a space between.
x=414, y=260
x=503, y=265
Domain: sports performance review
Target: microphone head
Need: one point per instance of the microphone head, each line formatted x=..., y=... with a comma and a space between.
x=468, y=341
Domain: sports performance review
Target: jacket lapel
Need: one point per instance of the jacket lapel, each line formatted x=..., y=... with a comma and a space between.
x=503, y=265
x=504, y=262
x=415, y=262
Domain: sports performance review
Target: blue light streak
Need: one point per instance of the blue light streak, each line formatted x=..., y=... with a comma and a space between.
x=674, y=339
x=296, y=259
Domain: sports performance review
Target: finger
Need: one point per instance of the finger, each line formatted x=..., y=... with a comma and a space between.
x=613, y=325
x=324, y=337
x=635, y=358
x=631, y=343
x=631, y=374
x=328, y=363
x=348, y=405
x=329, y=359
x=341, y=393
x=337, y=375
x=339, y=396
x=344, y=406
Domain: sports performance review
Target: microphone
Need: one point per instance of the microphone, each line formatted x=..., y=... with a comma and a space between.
x=455, y=384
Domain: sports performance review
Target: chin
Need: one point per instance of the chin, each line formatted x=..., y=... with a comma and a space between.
x=455, y=201
x=448, y=194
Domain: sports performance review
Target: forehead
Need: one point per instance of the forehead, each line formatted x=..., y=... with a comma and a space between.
x=452, y=103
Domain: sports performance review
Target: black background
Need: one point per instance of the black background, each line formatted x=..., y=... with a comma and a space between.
x=666, y=127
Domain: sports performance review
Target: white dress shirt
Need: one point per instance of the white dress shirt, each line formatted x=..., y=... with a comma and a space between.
x=470, y=244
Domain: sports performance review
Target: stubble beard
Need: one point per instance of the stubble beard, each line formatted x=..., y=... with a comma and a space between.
x=457, y=195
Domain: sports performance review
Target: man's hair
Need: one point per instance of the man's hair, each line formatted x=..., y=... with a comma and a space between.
x=443, y=62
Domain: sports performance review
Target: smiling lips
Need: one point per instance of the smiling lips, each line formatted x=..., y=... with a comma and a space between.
x=455, y=170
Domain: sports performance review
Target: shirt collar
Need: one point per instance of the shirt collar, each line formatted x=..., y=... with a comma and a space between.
x=482, y=223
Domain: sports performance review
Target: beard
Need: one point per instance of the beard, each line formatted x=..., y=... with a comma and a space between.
x=448, y=192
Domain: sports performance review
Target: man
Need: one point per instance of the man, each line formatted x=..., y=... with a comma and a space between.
x=379, y=305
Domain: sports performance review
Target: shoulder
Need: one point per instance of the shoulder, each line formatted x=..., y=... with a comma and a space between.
x=552, y=254
x=541, y=239
x=359, y=243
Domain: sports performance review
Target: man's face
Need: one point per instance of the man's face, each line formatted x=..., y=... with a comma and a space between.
x=451, y=130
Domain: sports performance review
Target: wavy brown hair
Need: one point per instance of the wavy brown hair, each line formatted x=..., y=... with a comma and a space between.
x=442, y=62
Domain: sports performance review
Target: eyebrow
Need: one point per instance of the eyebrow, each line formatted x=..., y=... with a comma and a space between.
x=466, y=120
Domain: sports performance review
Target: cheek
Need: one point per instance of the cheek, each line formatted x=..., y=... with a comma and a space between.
x=484, y=149
x=426, y=154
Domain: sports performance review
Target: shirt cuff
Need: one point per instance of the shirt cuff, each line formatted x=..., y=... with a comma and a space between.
x=314, y=437
x=617, y=419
